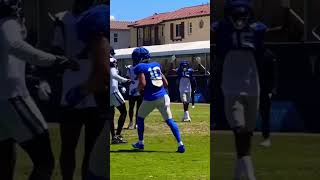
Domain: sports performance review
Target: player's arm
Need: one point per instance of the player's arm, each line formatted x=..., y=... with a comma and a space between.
x=165, y=81
x=22, y=49
x=116, y=76
x=142, y=82
x=98, y=52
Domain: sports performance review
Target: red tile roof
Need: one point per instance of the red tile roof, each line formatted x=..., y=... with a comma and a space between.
x=120, y=25
x=187, y=12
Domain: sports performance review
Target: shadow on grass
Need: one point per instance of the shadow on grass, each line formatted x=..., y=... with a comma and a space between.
x=139, y=151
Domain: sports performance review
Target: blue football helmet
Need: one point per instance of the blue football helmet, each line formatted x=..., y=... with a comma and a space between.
x=238, y=12
x=140, y=55
x=184, y=65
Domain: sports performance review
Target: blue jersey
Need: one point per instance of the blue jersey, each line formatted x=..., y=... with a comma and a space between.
x=228, y=38
x=154, y=87
x=187, y=73
x=94, y=21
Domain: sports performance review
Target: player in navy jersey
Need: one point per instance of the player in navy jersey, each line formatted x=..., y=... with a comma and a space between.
x=238, y=48
x=185, y=72
x=93, y=30
x=153, y=83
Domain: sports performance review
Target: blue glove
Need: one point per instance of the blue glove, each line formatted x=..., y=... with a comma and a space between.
x=75, y=95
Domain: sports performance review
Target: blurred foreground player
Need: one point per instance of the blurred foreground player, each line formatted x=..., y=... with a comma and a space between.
x=239, y=48
x=21, y=121
x=93, y=30
x=152, y=82
x=85, y=114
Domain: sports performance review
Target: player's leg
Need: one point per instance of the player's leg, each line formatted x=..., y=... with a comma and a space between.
x=265, y=108
x=70, y=130
x=93, y=128
x=185, y=99
x=8, y=158
x=122, y=118
x=112, y=129
x=145, y=109
x=132, y=102
x=31, y=133
x=192, y=97
x=41, y=155
x=99, y=158
x=139, y=102
x=164, y=108
x=235, y=107
x=251, y=113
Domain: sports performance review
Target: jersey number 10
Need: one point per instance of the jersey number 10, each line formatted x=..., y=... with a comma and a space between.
x=155, y=73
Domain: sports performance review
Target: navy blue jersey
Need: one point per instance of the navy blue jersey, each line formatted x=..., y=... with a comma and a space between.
x=94, y=21
x=154, y=86
x=228, y=38
x=186, y=73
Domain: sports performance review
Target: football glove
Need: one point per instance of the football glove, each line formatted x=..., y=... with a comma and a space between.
x=44, y=91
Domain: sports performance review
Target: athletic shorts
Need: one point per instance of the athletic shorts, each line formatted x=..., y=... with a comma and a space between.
x=242, y=111
x=162, y=104
x=135, y=98
x=185, y=97
x=21, y=120
x=116, y=99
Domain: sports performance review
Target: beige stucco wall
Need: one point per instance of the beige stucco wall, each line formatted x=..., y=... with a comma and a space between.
x=133, y=37
x=197, y=33
x=123, y=39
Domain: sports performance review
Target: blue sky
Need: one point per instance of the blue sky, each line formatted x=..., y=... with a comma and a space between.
x=132, y=10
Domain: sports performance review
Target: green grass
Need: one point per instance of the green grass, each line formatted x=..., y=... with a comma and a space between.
x=291, y=157
x=159, y=159
x=164, y=163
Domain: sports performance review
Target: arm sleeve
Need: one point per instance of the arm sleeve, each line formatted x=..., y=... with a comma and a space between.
x=116, y=76
x=22, y=49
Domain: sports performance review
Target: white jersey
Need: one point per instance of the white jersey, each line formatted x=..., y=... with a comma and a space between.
x=14, y=53
x=72, y=47
x=115, y=79
x=133, y=88
x=185, y=85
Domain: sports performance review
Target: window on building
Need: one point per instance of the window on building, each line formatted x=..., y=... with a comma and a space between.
x=190, y=28
x=178, y=30
x=115, y=37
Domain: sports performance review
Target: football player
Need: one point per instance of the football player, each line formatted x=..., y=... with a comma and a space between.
x=116, y=100
x=22, y=121
x=153, y=83
x=93, y=30
x=85, y=113
x=135, y=96
x=185, y=79
x=239, y=42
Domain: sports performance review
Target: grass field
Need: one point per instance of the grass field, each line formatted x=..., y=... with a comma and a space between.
x=291, y=157
x=159, y=159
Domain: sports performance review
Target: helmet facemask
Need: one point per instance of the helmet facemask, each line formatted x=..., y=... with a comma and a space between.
x=240, y=18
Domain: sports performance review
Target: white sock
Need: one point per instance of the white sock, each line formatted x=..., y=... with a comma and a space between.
x=187, y=113
x=141, y=142
x=248, y=167
x=238, y=169
x=180, y=143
